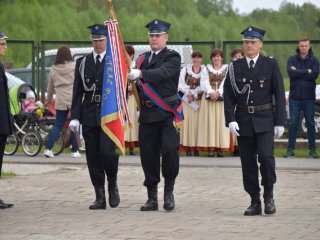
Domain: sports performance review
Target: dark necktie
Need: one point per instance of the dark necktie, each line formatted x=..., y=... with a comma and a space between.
x=152, y=56
x=98, y=61
x=251, y=64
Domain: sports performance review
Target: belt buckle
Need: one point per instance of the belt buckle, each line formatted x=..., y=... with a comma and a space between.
x=148, y=104
x=250, y=109
x=97, y=98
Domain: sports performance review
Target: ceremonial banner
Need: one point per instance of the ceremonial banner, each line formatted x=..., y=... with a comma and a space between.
x=114, y=110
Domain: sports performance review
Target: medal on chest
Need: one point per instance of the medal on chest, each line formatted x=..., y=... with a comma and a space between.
x=261, y=83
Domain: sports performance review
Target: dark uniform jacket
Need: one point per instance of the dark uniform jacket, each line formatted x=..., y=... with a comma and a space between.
x=266, y=85
x=162, y=74
x=5, y=119
x=302, y=83
x=86, y=105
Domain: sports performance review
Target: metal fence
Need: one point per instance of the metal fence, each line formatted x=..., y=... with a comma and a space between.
x=27, y=61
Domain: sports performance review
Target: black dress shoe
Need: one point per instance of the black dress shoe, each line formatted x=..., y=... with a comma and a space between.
x=196, y=153
x=9, y=205
x=210, y=154
x=220, y=154
x=253, y=209
x=269, y=207
x=168, y=202
x=3, y=206
x=150, y=205
x=114, y=197
x=96, y=205
x=132, y=153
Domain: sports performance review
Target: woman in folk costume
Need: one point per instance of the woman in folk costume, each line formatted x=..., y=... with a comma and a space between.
x=213, y=136
x=189, y=86
x=131, y=133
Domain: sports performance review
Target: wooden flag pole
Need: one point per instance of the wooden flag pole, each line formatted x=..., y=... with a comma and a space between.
x=128, y=60
x=114, y=16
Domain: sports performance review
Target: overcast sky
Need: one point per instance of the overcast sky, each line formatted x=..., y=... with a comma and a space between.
x=246, y=6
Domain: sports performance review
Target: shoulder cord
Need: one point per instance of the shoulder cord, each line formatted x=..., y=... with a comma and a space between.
x=81, y=70
x=234, y=85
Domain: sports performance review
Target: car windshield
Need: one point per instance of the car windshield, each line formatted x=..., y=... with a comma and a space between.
x=26, y=75
x=13, y=80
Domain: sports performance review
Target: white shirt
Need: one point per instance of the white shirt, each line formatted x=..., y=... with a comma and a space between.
x=254, y=60
x=101, y=55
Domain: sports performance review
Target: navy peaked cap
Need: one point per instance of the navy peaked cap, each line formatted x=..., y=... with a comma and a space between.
x=157, y=26
x=253, y=33
x=2, y=36
x=98, y=31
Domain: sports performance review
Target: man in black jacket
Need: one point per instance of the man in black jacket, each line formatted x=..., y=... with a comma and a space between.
x=250, y=87
x=86, y=109
x=303, y=70
x=5, y=121
x=159, y=69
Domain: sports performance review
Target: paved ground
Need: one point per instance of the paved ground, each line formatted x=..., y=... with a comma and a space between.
x=52, y=196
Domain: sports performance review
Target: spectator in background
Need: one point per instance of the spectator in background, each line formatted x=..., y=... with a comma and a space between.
x=213, y=136
x=303, y=70
x=189, y=86
x=61, y=80
x=131, y=133
x=7, y=65
x=29, y=104
x=5, y=118
x=236, y=54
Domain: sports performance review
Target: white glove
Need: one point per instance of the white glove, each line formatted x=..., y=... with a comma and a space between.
x=134, y=74
x=278, y=131
x=74, y=125
x=233, y=126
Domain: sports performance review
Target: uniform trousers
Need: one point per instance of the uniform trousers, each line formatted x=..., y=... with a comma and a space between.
x=3, y=141
x=260, y=145
x=101, y=156
x=156, y=140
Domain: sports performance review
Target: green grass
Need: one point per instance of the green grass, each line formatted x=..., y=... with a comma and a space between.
x=8, y=174
x=279, y=152
x=298, y=153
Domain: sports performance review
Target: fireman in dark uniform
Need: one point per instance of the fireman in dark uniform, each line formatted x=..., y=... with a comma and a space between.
x=255, y=112
x=157, y=134
x=5, y=119
x=86, y=107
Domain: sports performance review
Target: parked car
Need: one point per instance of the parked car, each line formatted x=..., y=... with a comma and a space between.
x=13, y=80
x=26, y=75
x=184, y=50
x=302, y=130
x=50, y=55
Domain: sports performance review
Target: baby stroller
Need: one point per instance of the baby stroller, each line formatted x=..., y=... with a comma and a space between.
x=30, y=129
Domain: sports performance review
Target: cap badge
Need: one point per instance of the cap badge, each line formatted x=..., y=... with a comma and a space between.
x=155, y=21
x=250, y=29
x=96, y=27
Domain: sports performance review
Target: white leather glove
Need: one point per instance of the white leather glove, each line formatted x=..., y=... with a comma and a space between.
x=233, y=126
x=74, y=125
x=134, y=74
x=278, y=131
